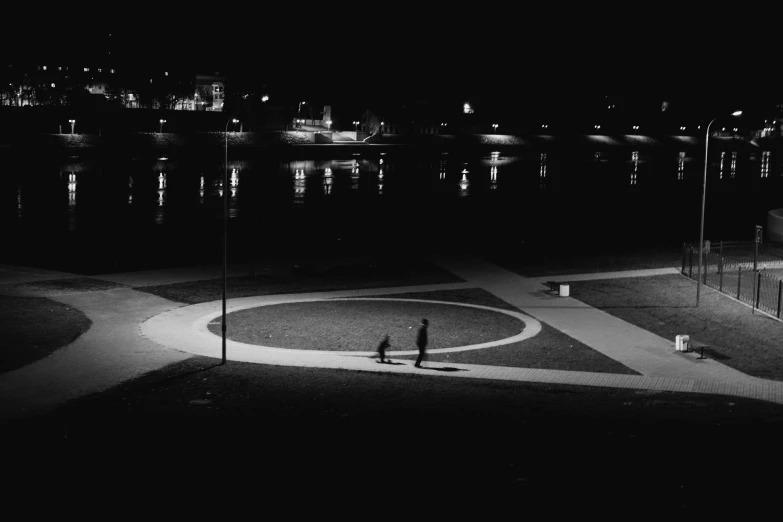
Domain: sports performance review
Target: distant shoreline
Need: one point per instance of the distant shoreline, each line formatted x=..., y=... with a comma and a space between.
x=240, y=143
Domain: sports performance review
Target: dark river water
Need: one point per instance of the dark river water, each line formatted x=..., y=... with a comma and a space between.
x=103, y=214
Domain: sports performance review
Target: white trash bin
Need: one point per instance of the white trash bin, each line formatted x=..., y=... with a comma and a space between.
x=565, y=290
x=682, y=343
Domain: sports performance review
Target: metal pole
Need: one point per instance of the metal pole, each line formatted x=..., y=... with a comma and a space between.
x=780, y=296
x=758, y=290
x=755, y=254
x=720, y=268
x=739, y=281
x=225, y=241
x=703, y=205
x=753, y=296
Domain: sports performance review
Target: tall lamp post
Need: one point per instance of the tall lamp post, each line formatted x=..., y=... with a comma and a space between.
x=72, y=122
x=225, y=238
x=703, y=205
x=494, y=128
x=161, y=126
x=355, y=126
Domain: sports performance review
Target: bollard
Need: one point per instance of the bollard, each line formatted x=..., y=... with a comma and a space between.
x=690, y=269
x=704, y=270
x=683, y=258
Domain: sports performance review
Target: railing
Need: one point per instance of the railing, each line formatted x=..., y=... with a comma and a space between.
x=739, y=273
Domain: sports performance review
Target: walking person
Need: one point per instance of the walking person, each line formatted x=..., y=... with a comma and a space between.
x=421, y=342
x=382, y=349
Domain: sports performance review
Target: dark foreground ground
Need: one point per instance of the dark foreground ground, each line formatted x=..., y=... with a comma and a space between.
x=333, y=440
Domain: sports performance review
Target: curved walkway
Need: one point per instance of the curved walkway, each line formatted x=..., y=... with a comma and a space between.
x=134, y=332
x=186, y=328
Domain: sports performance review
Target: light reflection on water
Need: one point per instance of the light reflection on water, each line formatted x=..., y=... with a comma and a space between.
x=363, y=176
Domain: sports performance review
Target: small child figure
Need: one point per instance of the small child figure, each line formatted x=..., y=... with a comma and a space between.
x=382, y=349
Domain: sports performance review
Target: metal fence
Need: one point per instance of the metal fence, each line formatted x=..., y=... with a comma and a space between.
x=740, y=274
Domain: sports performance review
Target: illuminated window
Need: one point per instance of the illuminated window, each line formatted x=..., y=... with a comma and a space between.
x=112, y=71
x=467, y=109
x=86, y=69
x=166, y=73
x=100, y=70
x=44, y=67
x=681, y=166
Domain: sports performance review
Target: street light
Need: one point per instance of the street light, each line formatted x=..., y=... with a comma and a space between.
x=72, y=122
x=162, y=121
x=355, y=126
x=703, y=205
x=234, y=121
x=225, y=237
x=329, y=124
x=264, y=98
x=494, y=128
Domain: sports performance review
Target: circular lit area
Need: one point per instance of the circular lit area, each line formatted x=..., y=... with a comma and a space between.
x=358, y=325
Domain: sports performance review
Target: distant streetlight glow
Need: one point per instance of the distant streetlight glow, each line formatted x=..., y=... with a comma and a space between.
x=162, y=121
x=73, y=123
x=494, y=127
x=355, y=125
x=264, y=98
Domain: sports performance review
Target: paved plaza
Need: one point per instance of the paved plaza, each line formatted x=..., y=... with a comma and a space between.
x=134, y=332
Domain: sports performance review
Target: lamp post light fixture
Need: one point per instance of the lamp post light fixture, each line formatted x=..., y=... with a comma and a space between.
x=494, y=128
x=355, y=126
x=264, y=98
x=225, y=237
x=73, y=123
x=329, y=124
x=703, y=205
x=162, y=121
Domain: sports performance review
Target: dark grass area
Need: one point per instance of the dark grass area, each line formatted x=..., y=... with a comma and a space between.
x=665, y=305
x=530, y=262
x=33, y=327
x=361, y=325
x=550, y=349
x=57, y=286
x=261, y=433
x=337, y=278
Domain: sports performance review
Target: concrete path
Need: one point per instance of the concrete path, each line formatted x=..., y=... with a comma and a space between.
x=110, y=352
x=634, y=347
x=134, y=332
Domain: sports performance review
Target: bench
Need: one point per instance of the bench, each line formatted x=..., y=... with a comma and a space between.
x=693, y=346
